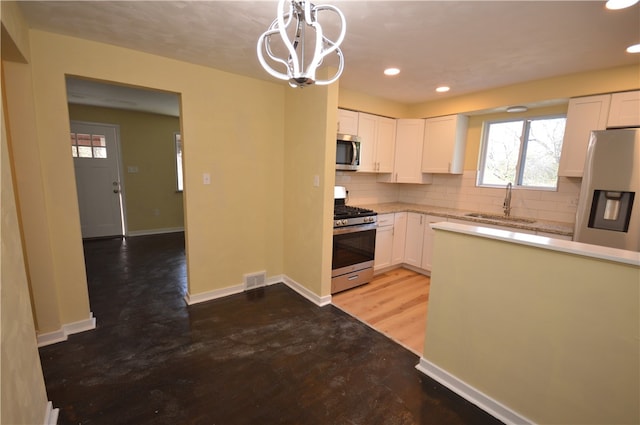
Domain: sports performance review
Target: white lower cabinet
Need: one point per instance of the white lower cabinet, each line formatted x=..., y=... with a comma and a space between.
x=413, y=241
x=419, y=242
x=384, y=242
x=427, y=242
x=390, y=237
x=407, y=238
x=399, y=235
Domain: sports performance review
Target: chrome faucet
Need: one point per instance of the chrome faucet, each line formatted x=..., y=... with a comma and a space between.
x=507, y=201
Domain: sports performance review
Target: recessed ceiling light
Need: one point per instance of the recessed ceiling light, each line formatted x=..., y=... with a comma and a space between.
x=442, y=89
x=391, y=71
x=634, y=49
x=517, y=109
x=620, y=4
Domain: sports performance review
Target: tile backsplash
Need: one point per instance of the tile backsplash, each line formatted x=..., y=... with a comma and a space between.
x=460, y=192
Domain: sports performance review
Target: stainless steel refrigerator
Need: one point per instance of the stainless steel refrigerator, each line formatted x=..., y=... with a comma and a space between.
x=608, y=209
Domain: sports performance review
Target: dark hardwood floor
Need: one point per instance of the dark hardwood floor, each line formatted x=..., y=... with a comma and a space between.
x=267, y=356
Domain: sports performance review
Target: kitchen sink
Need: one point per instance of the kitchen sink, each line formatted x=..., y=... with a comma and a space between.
x=498, y=217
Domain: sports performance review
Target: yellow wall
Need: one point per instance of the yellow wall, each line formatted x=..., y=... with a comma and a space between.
x=553, y=336
x=23, y=397
x=308, y=210
x=563, y=87
x=147, y=142
x=363, y=102
x=232, y=128
x=30, y=196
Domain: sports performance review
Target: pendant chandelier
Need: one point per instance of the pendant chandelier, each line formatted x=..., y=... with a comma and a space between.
x=303, y=44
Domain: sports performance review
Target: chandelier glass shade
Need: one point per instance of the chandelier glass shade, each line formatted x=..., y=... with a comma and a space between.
x=296, y=42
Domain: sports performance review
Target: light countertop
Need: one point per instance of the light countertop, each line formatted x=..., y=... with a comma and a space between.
x=553, y=227
x=576, y=248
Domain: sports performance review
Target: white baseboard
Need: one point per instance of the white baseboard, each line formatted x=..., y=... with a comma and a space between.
x=66, y=330
x=212, y=295
x=51, y=414
x=416, y=269
x=155, y=231
x=471, y=394
x=236, y=289
x=311, y=296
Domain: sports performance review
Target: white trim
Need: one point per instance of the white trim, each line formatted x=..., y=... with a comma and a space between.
x=51, y=414
x=155, y=231
x=80, y=326
x=237, y=289
x=471, y=394
x=212, y=295
x=66, y=330
x=311, y=296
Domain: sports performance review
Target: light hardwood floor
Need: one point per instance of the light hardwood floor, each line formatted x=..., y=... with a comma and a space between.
x=394, y=303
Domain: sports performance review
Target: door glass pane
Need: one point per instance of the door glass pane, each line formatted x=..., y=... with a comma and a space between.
x=99, y=152
x=84, y=152
x=84, y=139
x=98, y=140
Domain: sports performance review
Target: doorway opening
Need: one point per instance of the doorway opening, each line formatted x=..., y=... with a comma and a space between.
x=123, y=143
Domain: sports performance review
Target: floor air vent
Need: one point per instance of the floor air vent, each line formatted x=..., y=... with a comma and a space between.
x=254, y=280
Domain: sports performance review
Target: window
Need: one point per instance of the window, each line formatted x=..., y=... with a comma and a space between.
x=524, y=152
x=178, y=143
x=88, y=145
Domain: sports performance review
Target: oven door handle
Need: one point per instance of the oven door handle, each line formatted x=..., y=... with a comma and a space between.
x=353, y=229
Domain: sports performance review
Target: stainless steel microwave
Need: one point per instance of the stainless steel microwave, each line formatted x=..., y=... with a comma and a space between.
x=347, y=152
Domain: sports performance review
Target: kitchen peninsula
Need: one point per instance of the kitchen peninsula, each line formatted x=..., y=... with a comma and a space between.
x=533, y=329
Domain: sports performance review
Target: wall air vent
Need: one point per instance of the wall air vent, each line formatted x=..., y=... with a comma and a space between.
x=254, y=280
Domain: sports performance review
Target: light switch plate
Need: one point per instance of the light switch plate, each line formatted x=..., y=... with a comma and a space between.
x=206, y=178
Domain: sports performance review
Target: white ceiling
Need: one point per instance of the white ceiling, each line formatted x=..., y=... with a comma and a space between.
x=468, y=45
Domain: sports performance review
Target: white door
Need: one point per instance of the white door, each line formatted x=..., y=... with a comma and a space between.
x=96, y=157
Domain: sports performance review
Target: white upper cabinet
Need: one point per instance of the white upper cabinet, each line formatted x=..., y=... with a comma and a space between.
x=347, y=122
x=584, y=115
x=386, y=144
x=378, y=138
x=445, y=140
x=407, y=166
x=625, y=109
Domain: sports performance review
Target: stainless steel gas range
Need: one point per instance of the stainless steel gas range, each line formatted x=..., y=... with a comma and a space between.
x=354, y=241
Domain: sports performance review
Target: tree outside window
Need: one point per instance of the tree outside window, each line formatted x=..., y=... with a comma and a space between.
x=524, y=152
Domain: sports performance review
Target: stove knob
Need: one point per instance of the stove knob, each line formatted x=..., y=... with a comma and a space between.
x=344, y=222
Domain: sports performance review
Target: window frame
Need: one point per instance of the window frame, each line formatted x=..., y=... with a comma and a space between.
x=524, y=142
